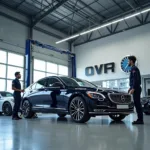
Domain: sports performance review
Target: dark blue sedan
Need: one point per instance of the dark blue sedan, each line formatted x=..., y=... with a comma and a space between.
x=78, y=98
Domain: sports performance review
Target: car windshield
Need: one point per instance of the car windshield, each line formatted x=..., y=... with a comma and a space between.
x=74, y=82
x=6, y=94
x=85, y=83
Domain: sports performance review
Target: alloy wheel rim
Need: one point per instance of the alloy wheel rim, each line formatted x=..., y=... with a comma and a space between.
x=6, y=109
x=77, y=109
x=25, y=108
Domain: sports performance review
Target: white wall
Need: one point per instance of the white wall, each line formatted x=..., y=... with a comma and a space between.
x=113, y=49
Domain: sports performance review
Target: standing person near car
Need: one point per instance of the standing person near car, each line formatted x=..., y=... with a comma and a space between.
x=16, y=86
x=135, y=89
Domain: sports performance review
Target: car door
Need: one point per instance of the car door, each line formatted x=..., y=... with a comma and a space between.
x=38, y=93
x=54, y=90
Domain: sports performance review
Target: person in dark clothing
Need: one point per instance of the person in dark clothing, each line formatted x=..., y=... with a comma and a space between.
x=135, y=89
x=16, y=86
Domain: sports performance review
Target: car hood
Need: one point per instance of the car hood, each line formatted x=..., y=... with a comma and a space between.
x=101, y=90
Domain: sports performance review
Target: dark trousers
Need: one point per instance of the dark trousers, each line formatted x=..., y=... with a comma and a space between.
x=54, y=95
x=137, y=103
x=54, y=99
x=17, y=100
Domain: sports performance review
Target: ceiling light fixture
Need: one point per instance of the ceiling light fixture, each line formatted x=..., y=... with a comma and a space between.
x=69, y=38
x=104, y=25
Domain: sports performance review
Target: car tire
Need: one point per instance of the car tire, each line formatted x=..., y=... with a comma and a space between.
x=147, y=113
x=7, y=109
x=61, y=115
x=79, y=110
x=27, y=109
x=117, y=117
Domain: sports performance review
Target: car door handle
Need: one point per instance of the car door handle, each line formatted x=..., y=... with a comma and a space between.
x=31, y=91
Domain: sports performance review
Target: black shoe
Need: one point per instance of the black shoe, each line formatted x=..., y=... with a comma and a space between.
x=19, y=117
x=137, y=122
x=35, y=116
x=15, y=118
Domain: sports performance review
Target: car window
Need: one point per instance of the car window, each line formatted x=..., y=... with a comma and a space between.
x=6, y=94
x=70, y=82
x=74, y=82
x=85, y=83
x=40, y=84
x=52, y=81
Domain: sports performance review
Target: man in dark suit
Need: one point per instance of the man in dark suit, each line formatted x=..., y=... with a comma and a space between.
x=16, y=86
x=135, y=89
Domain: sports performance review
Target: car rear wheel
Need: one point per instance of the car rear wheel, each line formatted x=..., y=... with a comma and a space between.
x=7, y=109
x=27, y=109
x=61, y=115
x=78, y=110
x=117, y=117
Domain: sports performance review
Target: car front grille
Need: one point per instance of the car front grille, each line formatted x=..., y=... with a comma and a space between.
x=120, y=98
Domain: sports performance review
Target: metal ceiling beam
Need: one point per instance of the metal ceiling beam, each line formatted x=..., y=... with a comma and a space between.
x=67, y=23
x=139, y=20
x=20, y=4
x=48, y=12
x=130, y=5
x=97, y=1
x=119, y=5
x=28, y=25
x=147, y=15
x=81, y=14
x=69, y=19
x=111, y=34
x=91, y=9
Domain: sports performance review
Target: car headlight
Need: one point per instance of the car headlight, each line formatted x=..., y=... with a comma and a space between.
x=95, y=95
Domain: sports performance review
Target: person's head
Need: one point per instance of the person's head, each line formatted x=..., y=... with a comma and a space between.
x=17, y=75
x=132, y=60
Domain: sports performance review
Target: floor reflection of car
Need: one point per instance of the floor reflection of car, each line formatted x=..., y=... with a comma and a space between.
x=6, y=103
x=145, y=101
x=78, y=98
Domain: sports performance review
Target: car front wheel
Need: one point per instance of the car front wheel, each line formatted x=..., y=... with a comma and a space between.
x=7, y=109
x=117, y=117
x=27, y=109
x=78, y=110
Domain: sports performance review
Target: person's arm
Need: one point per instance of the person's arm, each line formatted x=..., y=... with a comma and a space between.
x=135, y=80
x=14, y=87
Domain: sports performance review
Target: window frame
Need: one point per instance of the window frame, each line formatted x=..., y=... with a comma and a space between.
x=10, y=65
x=46, y=71
x=45, y=84
x=55, y=82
